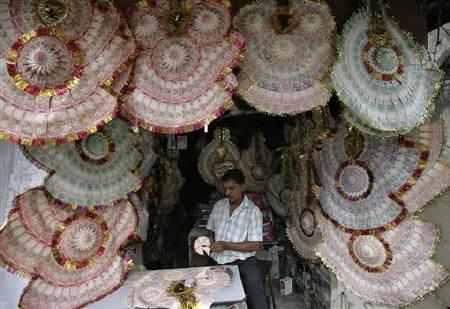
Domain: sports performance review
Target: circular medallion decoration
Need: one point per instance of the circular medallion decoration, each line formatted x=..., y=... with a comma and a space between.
x=370, y=252
x=52, y=12
x=308, y=222
x=311, y=22
x=210, y=23
x=252, y=20
x=42, y=63
x=176, y=59
x=79, y=240
x=383, y=62
x=302, y=227
x=147, y=30
x=354, y=180
x=214, y=277
x=172, y=275
x=283, y=49
x=259, y=172
x=96, y=148
x=151, y=294
x=73, y=17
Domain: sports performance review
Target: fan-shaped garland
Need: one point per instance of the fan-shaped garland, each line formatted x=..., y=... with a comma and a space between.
x=393, y=268
x=97, y=170
x=256, y=164
x=182, y=79
x=217, y=157
x=72, y=255
x=55, y=57
x=283, y=68
x=383, y=77
x=302, y=225
x=367, y=199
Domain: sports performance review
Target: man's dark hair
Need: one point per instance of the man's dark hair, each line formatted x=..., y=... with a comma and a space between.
x=234, y=175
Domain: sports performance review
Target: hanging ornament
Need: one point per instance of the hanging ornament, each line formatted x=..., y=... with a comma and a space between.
x=302, y=225
x=72, y=255
x=383, y=77
x=58, y=59
x=183, y=76
x=371, y=187
x=288, y=57
x=391, y=268
x=220, y=155
x=97, y=170
x=256, y=164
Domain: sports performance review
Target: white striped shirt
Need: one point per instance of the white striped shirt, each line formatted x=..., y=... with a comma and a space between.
x=245, y=224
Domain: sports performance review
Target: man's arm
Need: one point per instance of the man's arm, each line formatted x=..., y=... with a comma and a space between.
x=254, y=237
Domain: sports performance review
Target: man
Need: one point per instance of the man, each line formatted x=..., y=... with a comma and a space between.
x=236, y=226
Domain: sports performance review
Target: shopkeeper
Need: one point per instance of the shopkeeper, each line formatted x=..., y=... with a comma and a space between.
x=237, y=232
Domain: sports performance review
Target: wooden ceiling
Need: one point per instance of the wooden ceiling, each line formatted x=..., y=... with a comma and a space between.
x=416, y=17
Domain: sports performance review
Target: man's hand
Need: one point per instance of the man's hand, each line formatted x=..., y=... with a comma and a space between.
x=218, y=246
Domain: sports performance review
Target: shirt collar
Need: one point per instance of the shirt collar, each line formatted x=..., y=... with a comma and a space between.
x=244, y=203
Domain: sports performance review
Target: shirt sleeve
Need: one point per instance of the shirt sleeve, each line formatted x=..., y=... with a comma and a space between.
x=255, y=227
x=212, y=220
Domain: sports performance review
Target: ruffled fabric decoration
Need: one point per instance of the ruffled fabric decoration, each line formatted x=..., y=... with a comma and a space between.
x=58, y=60
x=286, y=66
x=371, y=189
x=220, y=155
x=393, y=268
x=72, y=255
x=256, y=163
x=303, y=227
x=97, y=170
x=183, y=75
x=383, y=77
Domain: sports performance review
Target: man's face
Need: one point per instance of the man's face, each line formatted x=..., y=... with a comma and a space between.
x=233, y=191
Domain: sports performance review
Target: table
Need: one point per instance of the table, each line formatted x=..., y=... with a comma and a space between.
x=11, y=287
x=149, y=287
